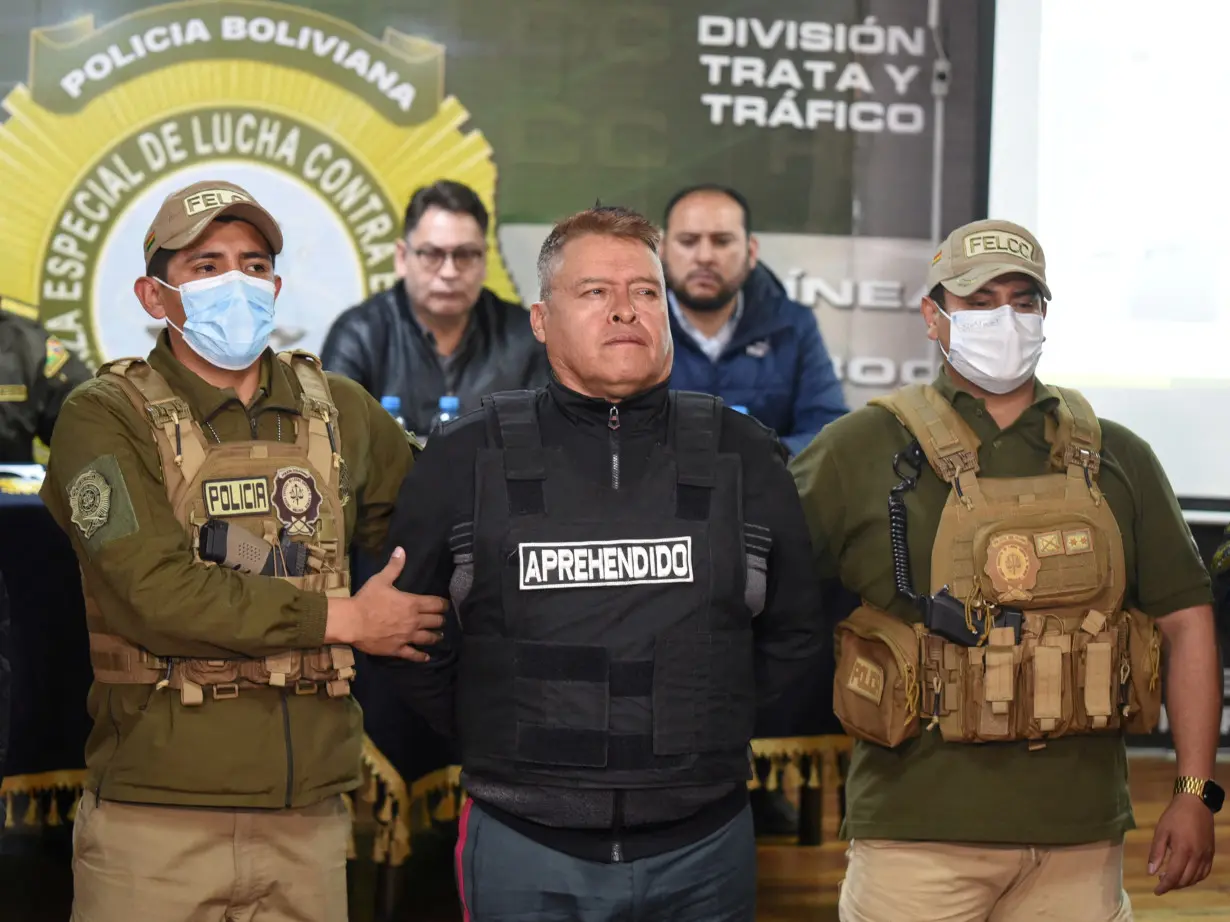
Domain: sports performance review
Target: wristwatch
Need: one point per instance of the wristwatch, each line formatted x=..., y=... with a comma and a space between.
x=1211, y=794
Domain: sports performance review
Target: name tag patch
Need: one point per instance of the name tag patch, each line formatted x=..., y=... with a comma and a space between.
x=241, y=496
x=631, y=562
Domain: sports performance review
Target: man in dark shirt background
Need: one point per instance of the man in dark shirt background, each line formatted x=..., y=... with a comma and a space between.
x=439, y=332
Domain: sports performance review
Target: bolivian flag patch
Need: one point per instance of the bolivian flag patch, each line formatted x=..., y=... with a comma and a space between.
x=57, y=357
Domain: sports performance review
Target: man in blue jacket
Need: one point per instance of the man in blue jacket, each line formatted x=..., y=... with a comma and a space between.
x=737, y=334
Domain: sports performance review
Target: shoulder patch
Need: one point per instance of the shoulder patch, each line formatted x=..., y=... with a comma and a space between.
x=89, y=498
x=57, y=357
x=100, y=505
x=14, y=393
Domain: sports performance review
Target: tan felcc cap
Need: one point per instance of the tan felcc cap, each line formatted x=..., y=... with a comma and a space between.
x=185, y=214
x=977, y=253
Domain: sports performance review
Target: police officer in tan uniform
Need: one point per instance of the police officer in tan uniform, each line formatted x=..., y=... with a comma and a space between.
x=1025, y=575
x=211, y=492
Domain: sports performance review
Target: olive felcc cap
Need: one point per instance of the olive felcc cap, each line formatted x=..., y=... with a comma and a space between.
x=185, y=214
x=977, y=253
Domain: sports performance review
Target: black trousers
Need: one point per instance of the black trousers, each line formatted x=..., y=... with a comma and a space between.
x=504, y=877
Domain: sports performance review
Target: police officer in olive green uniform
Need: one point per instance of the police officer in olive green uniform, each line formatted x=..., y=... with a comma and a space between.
x=37, y=372
x=211, y=492
x=1022, y=565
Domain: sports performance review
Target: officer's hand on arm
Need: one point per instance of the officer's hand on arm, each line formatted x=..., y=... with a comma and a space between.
x=384, y=621
x=432, y=501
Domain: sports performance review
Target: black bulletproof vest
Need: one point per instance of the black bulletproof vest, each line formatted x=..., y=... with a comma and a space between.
x=607, y=634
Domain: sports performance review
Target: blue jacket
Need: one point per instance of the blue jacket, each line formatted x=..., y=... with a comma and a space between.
x=775, y=365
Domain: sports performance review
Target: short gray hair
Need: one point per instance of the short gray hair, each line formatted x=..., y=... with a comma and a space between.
x=606, y=220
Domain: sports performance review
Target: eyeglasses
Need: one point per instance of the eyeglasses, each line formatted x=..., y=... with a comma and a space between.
x=432, y=258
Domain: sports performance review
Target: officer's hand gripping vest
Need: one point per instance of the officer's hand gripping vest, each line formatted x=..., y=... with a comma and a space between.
x=1046, y=547
x=291, y=488
x=607, y=634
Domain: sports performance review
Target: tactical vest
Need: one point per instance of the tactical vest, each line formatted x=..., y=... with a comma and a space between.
x=1046, y=547
x=607, y=633
x=271, y=489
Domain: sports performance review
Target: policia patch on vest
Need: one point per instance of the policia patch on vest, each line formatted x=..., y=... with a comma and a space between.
x=297, y=500
x=239, y=496
x=866, y=680
x=632, y=562
x=100, y=505
x=1013, y=567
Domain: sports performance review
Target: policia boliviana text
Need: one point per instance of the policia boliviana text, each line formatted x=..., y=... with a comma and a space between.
x=211, y=493
x=630, y=573
x=1025, y=574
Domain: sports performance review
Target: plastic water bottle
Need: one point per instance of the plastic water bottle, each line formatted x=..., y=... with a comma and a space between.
x=739, y=409
x=392, y=404
x=450, y=408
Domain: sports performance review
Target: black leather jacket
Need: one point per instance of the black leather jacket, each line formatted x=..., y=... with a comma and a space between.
x=381, y=345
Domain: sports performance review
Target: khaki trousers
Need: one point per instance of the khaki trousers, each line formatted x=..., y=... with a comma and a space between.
x=182, y=864
x=938, y=882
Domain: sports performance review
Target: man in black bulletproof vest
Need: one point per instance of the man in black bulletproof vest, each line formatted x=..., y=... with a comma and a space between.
x=630, y=575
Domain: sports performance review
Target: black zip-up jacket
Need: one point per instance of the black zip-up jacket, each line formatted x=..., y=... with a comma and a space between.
x=439, y=494
x=380, y=345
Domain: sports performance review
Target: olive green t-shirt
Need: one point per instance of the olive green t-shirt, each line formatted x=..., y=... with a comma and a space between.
x=1075, y=789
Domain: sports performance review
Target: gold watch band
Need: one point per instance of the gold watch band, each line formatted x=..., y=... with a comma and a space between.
x=1188, y=785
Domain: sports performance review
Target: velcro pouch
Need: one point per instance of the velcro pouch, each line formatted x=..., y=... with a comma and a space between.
x=876, y=688
x=991, y=681
x=1096, y=652
x=1046, y=680
x=945, y=676
x=1144, y=686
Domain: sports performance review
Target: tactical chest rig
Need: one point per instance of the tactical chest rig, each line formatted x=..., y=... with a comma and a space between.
x=287, y=497
x=1024, y=635
x=607, y=633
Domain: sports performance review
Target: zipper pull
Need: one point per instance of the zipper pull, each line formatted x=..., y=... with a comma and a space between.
x=612, y=421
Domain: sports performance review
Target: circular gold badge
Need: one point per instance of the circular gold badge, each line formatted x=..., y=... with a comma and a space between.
x=1012, y=566
x=297, y=500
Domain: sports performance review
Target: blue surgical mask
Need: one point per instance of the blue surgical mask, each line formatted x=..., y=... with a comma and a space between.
x=228, y=318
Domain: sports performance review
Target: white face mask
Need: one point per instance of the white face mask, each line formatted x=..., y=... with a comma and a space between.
x=996, y=350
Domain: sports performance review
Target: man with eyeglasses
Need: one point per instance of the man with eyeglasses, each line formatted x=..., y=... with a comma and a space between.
x=440, y=332
x=1026, y=578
